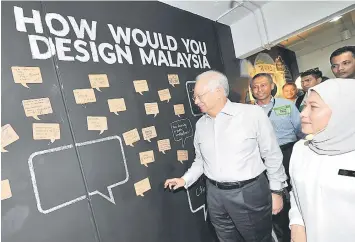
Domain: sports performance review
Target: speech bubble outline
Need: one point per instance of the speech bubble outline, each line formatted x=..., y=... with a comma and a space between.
x=135, y=131
x=173, y=81
x=24, y=83
x=141, y=84
x=110, y=198
x=183, y=138
x=95, y=84
x=163, y=151
x=141, y=155
x=52, y=139
x=187, y=84
x=144, y=130
x=140, y=183
x=197, y=209
x=164, y=92
x=101, y=118
x=184, y=152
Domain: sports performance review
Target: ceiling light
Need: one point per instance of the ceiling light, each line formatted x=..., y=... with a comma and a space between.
x=335, y=19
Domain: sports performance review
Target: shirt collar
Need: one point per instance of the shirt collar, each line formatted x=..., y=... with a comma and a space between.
x=271, y=100
x=228, y=109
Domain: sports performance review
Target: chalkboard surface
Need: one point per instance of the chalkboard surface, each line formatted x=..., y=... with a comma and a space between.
x=90, y=184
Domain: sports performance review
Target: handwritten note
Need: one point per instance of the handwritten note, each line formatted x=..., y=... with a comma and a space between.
x=151, y=108
x=146, y=157
x=98, y=80
x=46, y=131
x=164, y=95
x=25, y=75
x=97, y=123
x=182, y=155
x=142, y=186
x=5, y=190
x=131, y=137
x=35, y=107
x=173, y=79
x=8, y=136
x=179, y=109
x=164, y=145
x=182, y=130
x=83, y=96
x=116, y=105
x=141, y=86
x=149, y=133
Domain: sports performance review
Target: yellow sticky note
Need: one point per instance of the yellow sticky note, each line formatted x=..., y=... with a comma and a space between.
x=8, y=136
x=164, y=95
x=179, y=109
x=149, y=133
x=151, y=108
x=141, y=86
x=98, y=80
x=142, y=186
x=116, y=105
x=173, y=79
x=182, y=155
x=5, y=190
x=83, y=96
x=35, y=107
x=164, y=145
x=146, y=157
x=131, y=137
x=97, y=123
x=25, y=75
x=46, y=131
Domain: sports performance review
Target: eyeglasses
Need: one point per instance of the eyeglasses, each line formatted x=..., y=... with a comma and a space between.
x=199, y=96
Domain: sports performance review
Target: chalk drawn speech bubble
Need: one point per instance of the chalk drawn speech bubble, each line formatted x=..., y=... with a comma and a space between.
x=182, y=130
x=110, y=197
x=196, y=194
x=195, y=110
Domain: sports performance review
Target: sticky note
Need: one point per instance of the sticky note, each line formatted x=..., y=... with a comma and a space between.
x=179, y=109
x=46, y=131
x=131, y=137
x=146, y=157
x=25, y=75
x=98, y=80
x=35, y=107
x=164, y=95
x=141, y=86
x=164, y=145
x=5, y=190
x=182, y=155
x=173, y=79
x=83, y=96
x=151, y=108
x=149, y=133
x=97, y=123
x=116, y=105
x=8, y=136
x=142, y=186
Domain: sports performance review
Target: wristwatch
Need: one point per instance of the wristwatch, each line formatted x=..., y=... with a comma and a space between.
x=278, y=192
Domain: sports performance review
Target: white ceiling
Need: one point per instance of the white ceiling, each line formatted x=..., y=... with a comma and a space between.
x=320, y=36
x=214, y=9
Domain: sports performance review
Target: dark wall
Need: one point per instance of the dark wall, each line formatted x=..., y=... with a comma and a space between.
x=81, y=187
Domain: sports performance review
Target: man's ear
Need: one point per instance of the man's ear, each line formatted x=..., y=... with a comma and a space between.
x=272, y=86
x=319, y=80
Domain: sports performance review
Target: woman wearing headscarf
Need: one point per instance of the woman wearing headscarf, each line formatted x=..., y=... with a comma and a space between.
x=322, y=169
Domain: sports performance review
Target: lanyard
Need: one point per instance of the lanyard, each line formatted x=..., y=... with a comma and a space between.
x=273, y=105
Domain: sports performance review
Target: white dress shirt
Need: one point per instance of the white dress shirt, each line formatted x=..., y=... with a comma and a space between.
x=231, y=146
x=322, y=200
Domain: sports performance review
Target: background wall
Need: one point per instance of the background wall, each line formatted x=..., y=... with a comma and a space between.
x=81, y=187
x=320, y=58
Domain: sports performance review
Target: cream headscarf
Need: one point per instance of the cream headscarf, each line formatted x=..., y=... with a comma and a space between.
x=339, y=135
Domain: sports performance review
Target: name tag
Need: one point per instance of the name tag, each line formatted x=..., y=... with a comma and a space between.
x=283, y=110
x=346, y=173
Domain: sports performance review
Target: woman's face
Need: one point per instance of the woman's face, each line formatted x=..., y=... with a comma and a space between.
x=315, y=115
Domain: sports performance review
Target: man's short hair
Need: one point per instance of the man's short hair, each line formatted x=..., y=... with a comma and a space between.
x=315, y=72
x=289, y=84
x=268, y=76
x=216, y=79
x=342, y=50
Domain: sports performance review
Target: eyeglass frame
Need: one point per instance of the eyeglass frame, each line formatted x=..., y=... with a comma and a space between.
x=200, y=96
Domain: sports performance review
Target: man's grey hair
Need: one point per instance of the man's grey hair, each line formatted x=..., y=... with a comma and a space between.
x=215, y=79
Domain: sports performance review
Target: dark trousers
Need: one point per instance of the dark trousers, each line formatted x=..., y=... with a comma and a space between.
x=241, y=214
x=281, y=221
